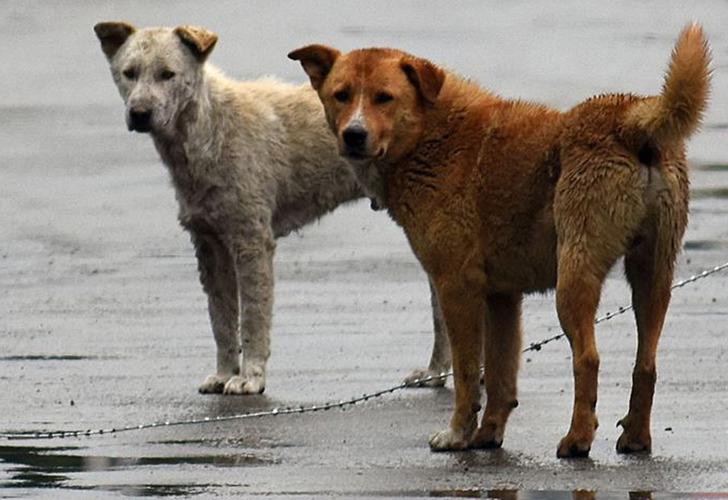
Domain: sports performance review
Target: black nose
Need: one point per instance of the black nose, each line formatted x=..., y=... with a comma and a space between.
x=355, y=137
x=140, y=120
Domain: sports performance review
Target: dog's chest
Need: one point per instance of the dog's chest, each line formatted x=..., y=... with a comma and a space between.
x=196, y=192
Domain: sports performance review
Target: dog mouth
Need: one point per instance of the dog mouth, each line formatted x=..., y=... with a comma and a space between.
x=356, y=155
x=359, y=155
x=140, y=128
x=139, y=120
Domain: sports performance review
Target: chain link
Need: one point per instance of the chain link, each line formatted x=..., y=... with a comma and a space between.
x=343, y=404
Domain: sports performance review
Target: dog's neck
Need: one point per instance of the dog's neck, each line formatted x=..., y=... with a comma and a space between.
x=176, y=145
x=412, y=181
x=368, y=175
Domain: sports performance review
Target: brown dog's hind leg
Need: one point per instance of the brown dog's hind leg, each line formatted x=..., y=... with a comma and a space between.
x=502, y=354
x=463, y=309
x=649, y=272
x=577, y=297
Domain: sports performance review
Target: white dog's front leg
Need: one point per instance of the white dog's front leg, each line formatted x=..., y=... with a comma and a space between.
x=217, y=275
x=254, y=266
x=441, y=359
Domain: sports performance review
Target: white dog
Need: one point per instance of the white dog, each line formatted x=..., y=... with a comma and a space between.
x=249, y=161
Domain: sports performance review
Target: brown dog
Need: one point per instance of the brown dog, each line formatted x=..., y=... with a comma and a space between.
x=499, y=198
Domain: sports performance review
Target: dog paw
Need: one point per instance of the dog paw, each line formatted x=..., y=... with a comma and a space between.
x=573, y=446
x=628, y=444
x=448, y=440
x=253, y=382
x=424, y=378
x=631, y=442
x=214, y=384
x=487, y=437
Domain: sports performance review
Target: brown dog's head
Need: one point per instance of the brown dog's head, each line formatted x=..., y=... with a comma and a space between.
x=374, y=98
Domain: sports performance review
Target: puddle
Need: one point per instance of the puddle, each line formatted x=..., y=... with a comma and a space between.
x=51, y=467
x=163, y=490
x=705, y=245
x=713, y=167
x=32, y=468
x=66, y=357
x=505, y=494
x=703, y=193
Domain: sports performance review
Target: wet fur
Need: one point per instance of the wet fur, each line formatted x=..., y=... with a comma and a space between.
x=500, y=198
x=249, y=161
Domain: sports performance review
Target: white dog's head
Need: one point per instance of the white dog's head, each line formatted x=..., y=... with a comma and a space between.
x=157, y=70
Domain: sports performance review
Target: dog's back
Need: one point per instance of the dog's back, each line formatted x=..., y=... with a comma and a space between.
x=273, y=141
x=620, y=155
x=509, y=181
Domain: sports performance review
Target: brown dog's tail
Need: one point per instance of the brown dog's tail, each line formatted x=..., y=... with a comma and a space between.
x=676, y=113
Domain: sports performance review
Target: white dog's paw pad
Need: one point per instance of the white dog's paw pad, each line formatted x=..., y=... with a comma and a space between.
x=243, y=385
x=214, y=384
x=447, y=440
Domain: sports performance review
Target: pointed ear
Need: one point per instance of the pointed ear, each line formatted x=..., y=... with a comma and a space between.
x=113, y=35
x=424, y=76
x=198, y=40
x=317, y=61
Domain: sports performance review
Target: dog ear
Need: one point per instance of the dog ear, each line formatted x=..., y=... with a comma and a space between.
x=424, y=76
x=198, y=40
x=113, y=35
x=317, y=61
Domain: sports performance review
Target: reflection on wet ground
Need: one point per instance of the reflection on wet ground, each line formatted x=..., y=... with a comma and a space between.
x=713, y=192
x=712, y=167
x=51, y=467
x=29, y=468
x=66, y=357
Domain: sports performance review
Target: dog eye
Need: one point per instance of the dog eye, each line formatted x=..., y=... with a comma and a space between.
x=167, y=74
x=383, y=97
x=341, y=95
x=129, y=73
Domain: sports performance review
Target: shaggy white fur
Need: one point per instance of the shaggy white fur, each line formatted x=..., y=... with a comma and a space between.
x=249, y=161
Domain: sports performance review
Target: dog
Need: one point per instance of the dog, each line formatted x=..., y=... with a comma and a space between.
x=500, y=198
x=249, y=162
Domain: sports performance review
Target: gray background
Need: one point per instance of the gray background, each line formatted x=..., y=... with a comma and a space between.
x=100, y=304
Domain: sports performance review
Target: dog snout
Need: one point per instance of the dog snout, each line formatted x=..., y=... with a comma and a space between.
x=355, y=138
x=140, y=119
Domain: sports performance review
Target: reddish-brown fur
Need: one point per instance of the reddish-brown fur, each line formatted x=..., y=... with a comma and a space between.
x=499, y=198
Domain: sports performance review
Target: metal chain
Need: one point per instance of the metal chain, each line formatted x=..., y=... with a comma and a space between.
x=536, y=346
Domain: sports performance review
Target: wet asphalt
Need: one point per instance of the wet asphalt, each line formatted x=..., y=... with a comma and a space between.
x=103, y=322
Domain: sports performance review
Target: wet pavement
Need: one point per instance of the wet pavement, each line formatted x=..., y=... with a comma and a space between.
x=104, y=323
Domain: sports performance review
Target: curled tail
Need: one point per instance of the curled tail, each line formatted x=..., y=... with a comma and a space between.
x=677, y=112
